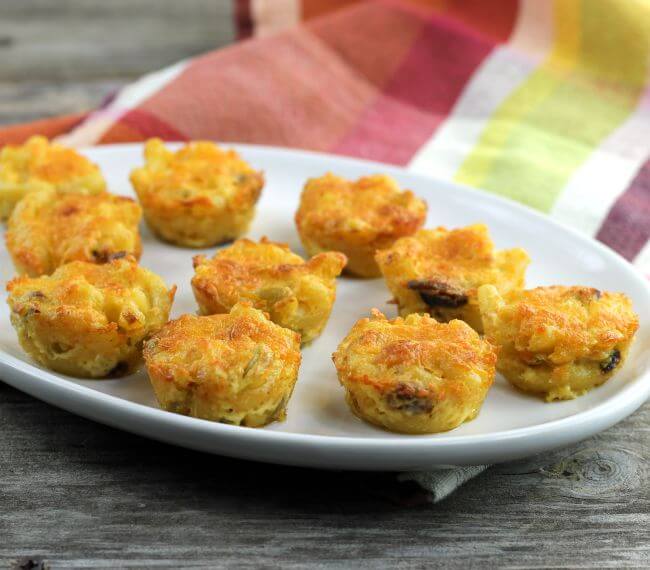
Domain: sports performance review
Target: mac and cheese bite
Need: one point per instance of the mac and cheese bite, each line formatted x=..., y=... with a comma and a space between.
x=237, y=368
x=50, y=228
x=297, y=294
x=414, y=375
x=199, y=196
x=558, y=342
x=40, y=165
x=439, y=272
x=356, y=218
x=89, y=320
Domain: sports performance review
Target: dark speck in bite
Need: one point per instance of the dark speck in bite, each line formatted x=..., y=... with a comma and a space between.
x=438, y=293
x=120, y=369
x=100, y=256
x=405, y=399
x=117, y=255
x=611, y=362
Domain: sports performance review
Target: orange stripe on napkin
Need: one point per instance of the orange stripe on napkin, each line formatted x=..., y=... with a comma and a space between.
x=48, y=127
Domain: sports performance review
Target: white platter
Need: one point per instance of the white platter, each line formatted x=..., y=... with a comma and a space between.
x=320, y=431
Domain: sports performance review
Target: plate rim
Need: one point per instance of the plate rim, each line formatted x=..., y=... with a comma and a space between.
x=607, y=412
x=9, y=362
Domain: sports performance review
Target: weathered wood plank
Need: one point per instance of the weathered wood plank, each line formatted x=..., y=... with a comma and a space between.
x=25, y=101
x=74, y=39
x=80, y=494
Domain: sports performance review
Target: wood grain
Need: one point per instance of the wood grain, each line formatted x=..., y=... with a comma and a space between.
x=23, y=101
x=72, y=39
x=78, y=494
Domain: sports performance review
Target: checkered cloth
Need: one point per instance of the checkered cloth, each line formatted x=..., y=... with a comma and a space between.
x=547, y=103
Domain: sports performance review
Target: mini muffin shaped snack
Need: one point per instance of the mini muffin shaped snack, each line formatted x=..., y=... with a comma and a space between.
x=558, y=342
x=237, y=368
x=356, y=218
x=48, y=229
x=414, y=374
x=89, y=320
x=439, y=272
x=40, y=165
x=296, y=294
x=198, y=196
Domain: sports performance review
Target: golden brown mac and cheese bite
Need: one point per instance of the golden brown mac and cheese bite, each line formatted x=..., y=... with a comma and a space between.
x=356, y=218
x=48, y=229
x=198, y=196
x=439, y=272
x=89, y=320
x=41, y=165
x=414, y=374
x=558, y=342
x=237, y=368
x=296, y=294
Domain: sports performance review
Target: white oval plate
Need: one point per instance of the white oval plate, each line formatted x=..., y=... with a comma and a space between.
x=320, y=431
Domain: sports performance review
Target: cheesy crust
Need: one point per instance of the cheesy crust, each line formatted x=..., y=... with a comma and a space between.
x=439, y=272
x=89, y=320
x=356, y=218
x=296, y=294
x=237, y=368
x=48, y=229
x=199, y=196
x=558, y=342
x=40, y=165
x=414, y=375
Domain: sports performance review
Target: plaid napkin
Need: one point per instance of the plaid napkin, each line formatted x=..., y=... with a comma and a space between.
x=547, y=103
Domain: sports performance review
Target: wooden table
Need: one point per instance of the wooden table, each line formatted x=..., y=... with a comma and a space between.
x=75, y=493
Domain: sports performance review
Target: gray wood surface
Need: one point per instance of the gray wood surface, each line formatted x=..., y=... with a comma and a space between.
x=78, y=494
x=62, y=56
